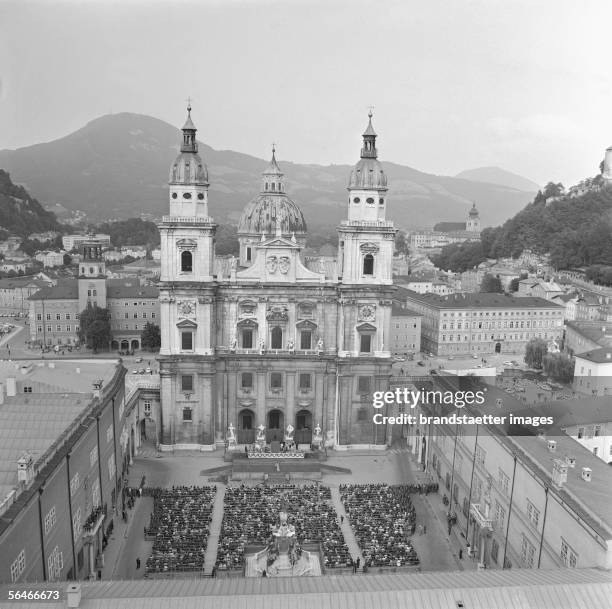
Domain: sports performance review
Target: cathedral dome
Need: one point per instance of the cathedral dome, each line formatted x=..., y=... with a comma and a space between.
x=266, y=211
x=368, y=173
x=272, y=208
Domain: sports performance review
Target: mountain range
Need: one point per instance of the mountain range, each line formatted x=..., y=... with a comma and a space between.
x=117, y=166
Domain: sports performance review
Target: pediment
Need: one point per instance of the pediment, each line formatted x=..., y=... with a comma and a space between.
x=306, y=325
x=186, y=323
x=247, y=323
x=279, y=242
x=366, y=328
x=186, y=243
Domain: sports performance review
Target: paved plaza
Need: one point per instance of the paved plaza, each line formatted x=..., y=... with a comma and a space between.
x=436, y=550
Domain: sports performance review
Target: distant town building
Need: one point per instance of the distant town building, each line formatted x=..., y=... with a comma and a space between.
x=437, y=239
x=14, y=293
x=593, y=372
x=51, y=259
x=405, y=331
x=482, y=323
x=55, y=311
x=540, y=288
x=581, y=336
x=71, y=242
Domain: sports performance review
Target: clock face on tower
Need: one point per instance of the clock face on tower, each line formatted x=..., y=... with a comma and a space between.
x=366, y=313
x=186, y=309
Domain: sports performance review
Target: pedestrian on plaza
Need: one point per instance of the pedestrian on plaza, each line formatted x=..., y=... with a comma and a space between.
x=358, y=562
x=461, y=554
x=138, y=563
x=424, y=529
x=124, y=516
x=264, y=573
x=341, y=519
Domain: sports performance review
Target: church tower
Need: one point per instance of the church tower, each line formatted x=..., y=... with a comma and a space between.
x=472, y=224
x=186, y=299
x=92, y=276
x=366, y=238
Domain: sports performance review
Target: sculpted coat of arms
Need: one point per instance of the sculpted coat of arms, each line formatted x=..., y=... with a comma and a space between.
x=283, y=264
x=271, y=264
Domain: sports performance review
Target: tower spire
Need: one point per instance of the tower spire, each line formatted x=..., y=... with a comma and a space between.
x=369, y=139
x=189, y=132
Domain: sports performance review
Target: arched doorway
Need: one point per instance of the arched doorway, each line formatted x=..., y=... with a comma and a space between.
x=246, y=427
x=135, y=344
x=125, y=345
x=497, y=347
x=114, y=345
x=303, y=427
x=275, y=426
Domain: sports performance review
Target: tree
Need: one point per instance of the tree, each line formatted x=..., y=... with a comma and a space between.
x=559, y=367
x=534, y=353
x=401, y=244
x=151, y=337
x=491, y=283
x=95, y=327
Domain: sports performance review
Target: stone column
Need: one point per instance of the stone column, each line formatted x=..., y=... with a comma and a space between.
x=261, y=399
x=290, y=403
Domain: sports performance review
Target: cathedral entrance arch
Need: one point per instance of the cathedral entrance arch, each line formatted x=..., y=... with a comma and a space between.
x=497, y=347
x=125, y=345
x=303, y=427
x=274, y=429
x=246, y=426
x=114, y=345
x=135, y=344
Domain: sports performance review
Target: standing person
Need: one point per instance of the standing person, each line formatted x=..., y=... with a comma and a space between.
x=137, y=563
x=358, y=562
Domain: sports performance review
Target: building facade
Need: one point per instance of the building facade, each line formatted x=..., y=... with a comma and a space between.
x=483, y=323
x=405, y=331
x=271, y=342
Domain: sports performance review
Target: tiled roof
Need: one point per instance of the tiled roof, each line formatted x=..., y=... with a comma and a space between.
x=398, y=311
x=598, y=356
x=481, y=300
x=21, y=282
x=68, y=290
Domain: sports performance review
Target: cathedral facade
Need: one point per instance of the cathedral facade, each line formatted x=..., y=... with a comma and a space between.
x=266, y=340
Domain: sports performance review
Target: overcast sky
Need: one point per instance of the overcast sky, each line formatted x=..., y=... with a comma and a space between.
x=456, y=84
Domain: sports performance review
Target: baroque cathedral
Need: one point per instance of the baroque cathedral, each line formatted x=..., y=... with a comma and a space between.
x=271, y=339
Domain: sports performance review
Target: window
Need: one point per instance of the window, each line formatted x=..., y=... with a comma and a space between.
x=305, y=339
x=111, y=467
x=595, y=451
x=27, y=389
x=368, y=264
x=147, y=408
x=494, y=550
x=67, y=316
x=187, y=341
x=39, y=316
x=77, y=524
x=48, y=316
x=248, y=252
x=363, y=384
x=144, y=315
x=135, y=315
x=93, y=456
x=186, y=262
x=59, y=328
x=527, y=552
x=68, y=328
x=568, y=556
x=126, y=315
x=597, y=432
x=187, y=382
x=276, y=341
x=58, y=316
x=50, y=520
x=74, y=484
x=152, y=315
x=365, y=343
x=247, y=339
x=187, y=414
x=504, y=481
x=18, y=566
x=480, y=456
x=276, y=380
x=305, y=380
x=246, y=381
x=500, y=515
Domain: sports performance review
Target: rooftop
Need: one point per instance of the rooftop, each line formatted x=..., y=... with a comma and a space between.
x=598, y=356
x=33, y=422
x=599, y=332
x=493, y=589
x=399, y=311
x=481, y=300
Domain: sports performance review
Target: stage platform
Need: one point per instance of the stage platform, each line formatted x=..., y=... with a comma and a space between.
x=275, y=466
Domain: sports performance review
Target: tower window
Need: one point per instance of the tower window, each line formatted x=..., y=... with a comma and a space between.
x=186, y=195
x=368, y=264
x=247, y=339
x=306, y=339
x=356, y=200
x=370, y=201
x=187, y=415
x=248, y=254
x=381, y=201
x=200, y=196
x=305, y=380
x=186, y=262
x=266, y=186
x=277, y=338
x=187, y=382
x=174, y=195
x=187, y=341
x=273, y=186
x=365, y=345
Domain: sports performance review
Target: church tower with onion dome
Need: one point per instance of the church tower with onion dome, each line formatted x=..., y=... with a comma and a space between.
x=186, y=297
x=366, y=238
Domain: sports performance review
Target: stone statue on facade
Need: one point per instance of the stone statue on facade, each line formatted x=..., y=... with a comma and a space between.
x=291, y=345
x=320, y=346
x=317, y=438
x=233, y=344
x=262, y=346
x=231, y=437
